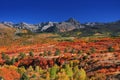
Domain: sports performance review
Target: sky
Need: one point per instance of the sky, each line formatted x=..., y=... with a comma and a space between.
x=35, y=11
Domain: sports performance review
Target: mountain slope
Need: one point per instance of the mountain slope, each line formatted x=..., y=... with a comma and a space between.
x=5, y=31
x=6, y=34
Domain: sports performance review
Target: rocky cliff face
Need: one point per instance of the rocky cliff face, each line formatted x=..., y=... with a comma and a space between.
x=69, y=25
x=23, y=25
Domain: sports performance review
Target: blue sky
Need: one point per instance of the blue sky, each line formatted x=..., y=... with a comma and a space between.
x=35, y=11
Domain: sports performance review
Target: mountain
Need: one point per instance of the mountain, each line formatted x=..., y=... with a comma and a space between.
x=64, y=26
x=96, y=29
x=70, y=27
x=23, y=25
x=92, y=24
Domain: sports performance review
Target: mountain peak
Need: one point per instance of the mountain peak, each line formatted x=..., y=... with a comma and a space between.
x=72, y=20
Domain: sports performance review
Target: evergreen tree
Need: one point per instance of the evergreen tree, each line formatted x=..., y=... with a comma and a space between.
x=110, y=49
x=72, y=51
x=31, y=54
x=1, y=78
x=57, y=52
x=49, y=53
x=22, y=55
x=12, y=60
x=5, y=56
x=45, y=53
x=79, y=52
x=65, y=50
x=92, y=50
x=24, y=77
x=8, y=62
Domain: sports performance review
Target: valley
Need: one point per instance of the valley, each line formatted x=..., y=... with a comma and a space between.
x=84, y=53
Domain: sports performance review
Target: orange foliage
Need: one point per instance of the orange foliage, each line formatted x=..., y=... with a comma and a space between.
x=9, y=74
